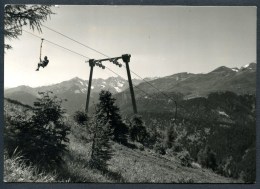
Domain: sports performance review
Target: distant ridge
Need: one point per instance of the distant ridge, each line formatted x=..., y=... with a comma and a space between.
x=238, y=80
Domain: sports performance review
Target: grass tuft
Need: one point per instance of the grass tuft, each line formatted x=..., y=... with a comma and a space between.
x=16, y=170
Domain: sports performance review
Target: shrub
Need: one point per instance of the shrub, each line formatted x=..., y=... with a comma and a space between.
x=151, y=138
x=185, y=158
x=177, y=147
x=160, y=148
x=42, y=138
x=248, y=166
x=226, y=167
x=207, y=158
x=81, y=118
x=137, y=131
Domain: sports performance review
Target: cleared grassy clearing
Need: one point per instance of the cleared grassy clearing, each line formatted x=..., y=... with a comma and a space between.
x=135, y=166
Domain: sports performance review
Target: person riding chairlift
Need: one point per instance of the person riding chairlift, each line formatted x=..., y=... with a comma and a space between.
x=43, y=63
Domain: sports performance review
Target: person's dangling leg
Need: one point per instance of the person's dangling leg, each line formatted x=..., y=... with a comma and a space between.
x=39, y=65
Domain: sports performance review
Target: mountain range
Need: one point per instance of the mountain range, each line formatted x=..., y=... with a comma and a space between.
x=74, y=90
x=239, y=80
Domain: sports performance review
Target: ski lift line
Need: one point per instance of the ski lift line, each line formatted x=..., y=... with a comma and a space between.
x=175, y=102
x=41, y=50
x=99, y=53
x=133, y=84
x=57, y=45
x=68, y=49
x=75, y=41
x=142, y=79
x=83, y=56
x=108, y=59
x=152, y=86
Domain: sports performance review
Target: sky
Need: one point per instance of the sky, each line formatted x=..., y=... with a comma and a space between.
x=162, y=40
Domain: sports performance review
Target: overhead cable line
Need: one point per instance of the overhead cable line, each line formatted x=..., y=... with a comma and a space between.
x=109, y=57
x=68, y=49
x=75, y=41
x=57, y=45
x=105, y=56
x=77, y=54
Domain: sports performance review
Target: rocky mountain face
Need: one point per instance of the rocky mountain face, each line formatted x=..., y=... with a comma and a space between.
x=74, y=90
x=238, y=80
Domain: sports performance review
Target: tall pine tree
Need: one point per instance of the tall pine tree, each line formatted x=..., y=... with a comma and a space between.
x=16, y=16
x=107, y=111
x=101, y=146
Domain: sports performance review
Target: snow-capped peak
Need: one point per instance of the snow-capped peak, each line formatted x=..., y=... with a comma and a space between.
x=117, y=89
x=250, y=66
x=235, y=69
x=245, y=66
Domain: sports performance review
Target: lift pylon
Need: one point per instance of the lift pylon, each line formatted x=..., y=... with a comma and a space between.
x=126, y=60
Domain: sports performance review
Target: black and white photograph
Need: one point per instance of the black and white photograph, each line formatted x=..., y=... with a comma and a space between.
x=129, y=94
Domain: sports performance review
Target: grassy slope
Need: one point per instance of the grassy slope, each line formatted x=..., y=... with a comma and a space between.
x=15, y=170
x=135, y=166
x=127, y=165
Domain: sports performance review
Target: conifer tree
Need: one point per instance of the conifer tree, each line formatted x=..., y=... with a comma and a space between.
x=17, y=16
x=138, y=131
x=207, y=158
x=109, y=112
x=43, y=137
x=101, y=147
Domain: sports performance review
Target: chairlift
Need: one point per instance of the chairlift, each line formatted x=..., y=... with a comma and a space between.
x=43, y=63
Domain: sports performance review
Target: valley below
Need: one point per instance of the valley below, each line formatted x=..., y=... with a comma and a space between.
x=209, y=137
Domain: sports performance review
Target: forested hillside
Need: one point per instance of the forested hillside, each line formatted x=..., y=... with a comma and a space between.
x=217, y=130
x=149, y=155
x=222, y=125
